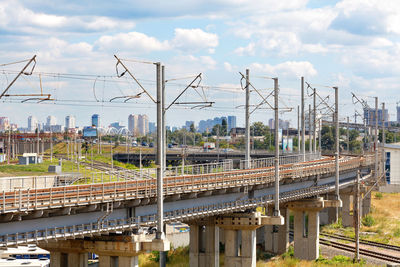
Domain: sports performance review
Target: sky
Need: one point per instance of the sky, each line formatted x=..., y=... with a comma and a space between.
x=351, y=44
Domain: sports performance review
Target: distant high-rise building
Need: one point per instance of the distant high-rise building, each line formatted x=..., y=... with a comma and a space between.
x=51, y=120
x=369, y=115
x=152, y=127
x=143, y=124
x=398, y=114
x=231, y=122
x=205, y=125
x=133, y=124
x=4, y=123
x=32, y=124
x=96, y=120
x=188, y=124
x=69, y=122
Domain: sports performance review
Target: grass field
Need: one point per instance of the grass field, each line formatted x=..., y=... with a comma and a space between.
x=381, y=225
x=32, y=169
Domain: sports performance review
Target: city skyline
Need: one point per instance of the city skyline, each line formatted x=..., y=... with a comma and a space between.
x=354, y=53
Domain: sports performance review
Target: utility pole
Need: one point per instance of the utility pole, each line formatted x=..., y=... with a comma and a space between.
x=320, y=136
x=9, y=146
x=303, y=118
x=310, y=140
x=160, y=162
x=383, y=137
x=37, y=142
x=164, y=133
x=348, y=135
x=336, y=115
x=298, y=129
x=376, y=139
x=247, y=127
x=276, y=200
x=315, y=121
x=51, y=146
x=356, y=214
x=112, y=160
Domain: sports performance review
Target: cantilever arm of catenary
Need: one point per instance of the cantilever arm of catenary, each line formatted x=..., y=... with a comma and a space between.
x=133, y=77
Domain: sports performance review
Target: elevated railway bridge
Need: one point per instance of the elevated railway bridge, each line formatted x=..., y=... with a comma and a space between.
x=106, y=217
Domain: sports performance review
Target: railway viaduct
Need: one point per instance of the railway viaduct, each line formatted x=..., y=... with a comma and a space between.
x=107, y=218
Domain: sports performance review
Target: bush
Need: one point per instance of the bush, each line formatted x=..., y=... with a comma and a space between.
x=368, y=221
x=397, y=233
x=378, y=195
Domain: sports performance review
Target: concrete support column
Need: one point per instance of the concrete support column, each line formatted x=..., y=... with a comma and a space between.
x=77, y=259
x=276, y=238
x=56, y=259
x=118, y=261
x=306, y=234
x=204, y=245
x=347, y=217
x=366, y=205
x=128, y=261
x=240, y=248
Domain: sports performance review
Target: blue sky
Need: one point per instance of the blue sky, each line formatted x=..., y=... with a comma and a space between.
x=353, y=44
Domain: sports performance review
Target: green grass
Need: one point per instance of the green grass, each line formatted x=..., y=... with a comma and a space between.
x=31, y=169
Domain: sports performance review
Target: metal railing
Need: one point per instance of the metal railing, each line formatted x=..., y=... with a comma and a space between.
x=286, y=159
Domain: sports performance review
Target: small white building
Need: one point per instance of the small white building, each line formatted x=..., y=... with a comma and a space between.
x=392, y=164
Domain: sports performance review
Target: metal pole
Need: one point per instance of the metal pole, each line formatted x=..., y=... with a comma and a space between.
x=160, y=162
x=315, y=121
x=51, y=146
x=9, y=146
x=276, y=209
x=357, y=218
x=376, y=138
x=247, y=127
x=320, y=136
x=337, y=148
x=112, y=160
x=383, y=137
x=298, y=129
x=310, y=141
x=303, y=118
x=348, y=135
x=163, y=117
x=37, y=142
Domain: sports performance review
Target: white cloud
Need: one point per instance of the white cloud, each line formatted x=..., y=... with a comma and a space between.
x=194, y=39
x=21, y=19
x=288, y=69
x=134, y=42
x=248, y=50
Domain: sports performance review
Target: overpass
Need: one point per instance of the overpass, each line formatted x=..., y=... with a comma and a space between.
x=106, y=218
x=198, y=157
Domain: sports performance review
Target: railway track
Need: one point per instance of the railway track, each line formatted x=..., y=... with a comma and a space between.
x=363, y=252
x=362, y=241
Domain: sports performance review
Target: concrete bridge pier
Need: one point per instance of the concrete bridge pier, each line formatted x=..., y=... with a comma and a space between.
x=347, y=215
x=366, y=204
x=240, y=236
x=276, y=237
x=113, y=250
x=204, y=243
x=306, y=226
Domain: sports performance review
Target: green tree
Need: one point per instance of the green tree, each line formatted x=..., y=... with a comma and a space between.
x=259, y=129
x=192, y=129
